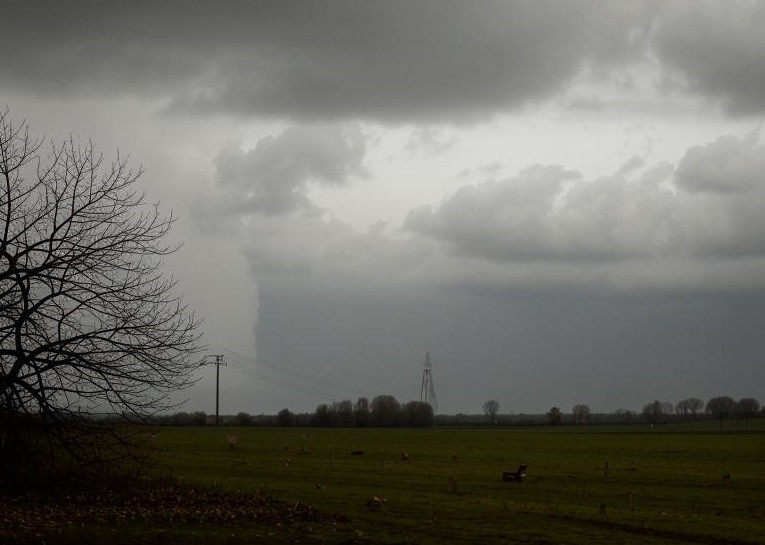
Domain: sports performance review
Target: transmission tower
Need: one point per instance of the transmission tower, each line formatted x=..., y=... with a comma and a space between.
x=428, y=389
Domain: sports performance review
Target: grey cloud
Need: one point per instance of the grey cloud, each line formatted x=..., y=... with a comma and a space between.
x=717, y=48
x=395, y=60
x=273, y=177
x=329, y=252
x=728, y=165
x=713, y=206
x=722, y=198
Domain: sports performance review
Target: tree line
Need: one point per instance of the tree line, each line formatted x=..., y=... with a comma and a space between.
x=720, y=407
x=660, y=412
x=384, y=411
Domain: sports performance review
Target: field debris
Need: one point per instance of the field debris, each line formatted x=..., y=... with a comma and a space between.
x=375, y=504
x=162, y=504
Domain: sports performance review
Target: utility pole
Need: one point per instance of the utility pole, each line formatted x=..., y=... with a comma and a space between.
x=218, y=362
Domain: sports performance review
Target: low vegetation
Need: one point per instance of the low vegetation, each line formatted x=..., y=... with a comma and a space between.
x=677, y=483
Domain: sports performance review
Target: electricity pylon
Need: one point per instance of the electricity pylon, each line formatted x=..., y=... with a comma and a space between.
x=428, y=389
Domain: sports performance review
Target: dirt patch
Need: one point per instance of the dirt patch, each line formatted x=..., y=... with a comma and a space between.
x=160, y=505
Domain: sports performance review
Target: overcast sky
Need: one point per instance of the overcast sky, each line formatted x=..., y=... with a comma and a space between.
x=564, y=202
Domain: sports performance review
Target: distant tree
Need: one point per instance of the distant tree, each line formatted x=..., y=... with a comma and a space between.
x=243, y=419
x=624, y=415
x=323, y=417
x=690, y=407
x=343, y=411
x=417, y=414
x=581, y=413
x=721, y=407
x=361, y=412
x=181, y=419
x=555, y=415
x=490, y=409
x=385, y=409
x=285, y=418
x=657, y=412
x=747, y=408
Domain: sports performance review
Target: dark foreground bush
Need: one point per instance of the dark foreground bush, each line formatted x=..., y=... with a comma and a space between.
x=69, y=454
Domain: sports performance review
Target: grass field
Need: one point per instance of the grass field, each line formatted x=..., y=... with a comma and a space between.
x=663, y=485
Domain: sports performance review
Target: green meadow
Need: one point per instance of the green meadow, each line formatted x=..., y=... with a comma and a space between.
x=628, y=484
x=670, y=484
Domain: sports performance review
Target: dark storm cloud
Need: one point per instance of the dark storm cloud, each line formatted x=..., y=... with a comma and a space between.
x=392, y=60
x=272, y=178
x=714, y=205
x=528, y=349
x=717, y=49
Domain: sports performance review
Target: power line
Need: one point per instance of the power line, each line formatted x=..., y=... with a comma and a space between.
x=321, y=388
x=284, y=384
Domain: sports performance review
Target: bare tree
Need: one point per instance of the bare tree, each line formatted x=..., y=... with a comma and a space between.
x=490, y=409
x=89, y=320
x=555, y=415
x=385, y=411
x=581, y=413
x=624, y=415
x=747, y=408
x=721, y=407
x=343, y=411
x=689, y=407
x=657, y=412
x=361, y=412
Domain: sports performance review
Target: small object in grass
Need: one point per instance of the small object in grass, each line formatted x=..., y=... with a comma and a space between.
x=232, y=441
x=632, y=496
x=404, y=456
x=726, y=477
x=518, y=476
x=357, y=453
x=375, y=504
